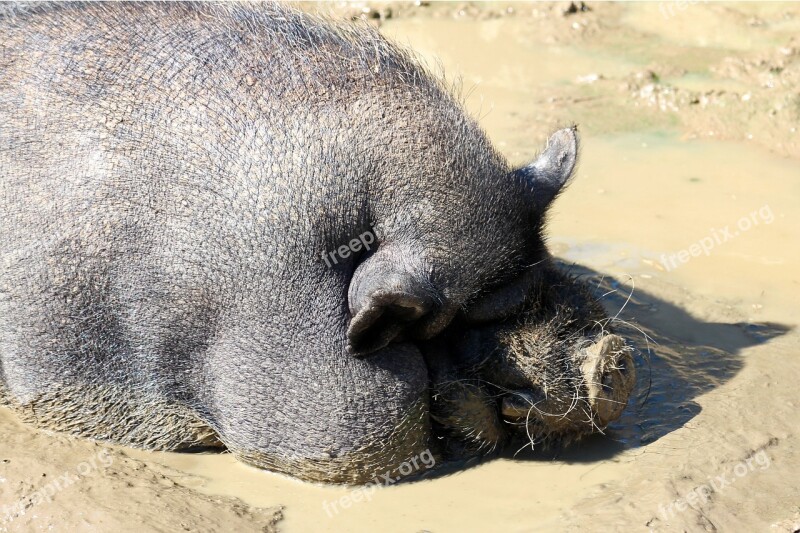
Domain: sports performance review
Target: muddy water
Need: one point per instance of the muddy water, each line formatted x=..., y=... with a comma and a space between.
x=694, y=241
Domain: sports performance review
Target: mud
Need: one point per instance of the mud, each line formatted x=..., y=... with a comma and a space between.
x=689, y=115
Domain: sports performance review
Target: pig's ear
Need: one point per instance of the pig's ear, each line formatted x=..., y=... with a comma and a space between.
x=552, y=169
x=386, y=295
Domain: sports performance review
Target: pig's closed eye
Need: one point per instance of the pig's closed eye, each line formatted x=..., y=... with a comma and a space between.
x=504, y=301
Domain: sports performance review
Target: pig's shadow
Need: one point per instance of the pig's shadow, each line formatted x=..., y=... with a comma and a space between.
x=678, y=358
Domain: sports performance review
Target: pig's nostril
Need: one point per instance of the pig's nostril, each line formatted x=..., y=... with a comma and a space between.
x=608, y=383
x=609, y=376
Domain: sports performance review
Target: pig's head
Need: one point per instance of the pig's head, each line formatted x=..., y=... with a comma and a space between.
x=554, y=371
x=514, y=347
x=468, y=228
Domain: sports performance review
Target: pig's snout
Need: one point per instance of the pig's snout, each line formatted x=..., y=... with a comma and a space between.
x=610, y=376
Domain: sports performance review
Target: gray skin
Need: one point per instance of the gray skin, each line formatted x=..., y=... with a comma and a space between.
x=172, y=176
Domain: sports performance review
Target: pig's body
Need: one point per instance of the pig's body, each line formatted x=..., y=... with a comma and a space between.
x=172, y=178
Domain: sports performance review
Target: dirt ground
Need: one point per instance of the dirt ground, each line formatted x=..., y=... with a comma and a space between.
x=684, y=213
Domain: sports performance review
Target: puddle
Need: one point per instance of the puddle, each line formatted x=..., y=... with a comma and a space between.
x=740, y=26
x=489, y=491
x=503, y=70
x=662, y=196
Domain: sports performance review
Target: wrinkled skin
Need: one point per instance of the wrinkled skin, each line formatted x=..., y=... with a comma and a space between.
x=172, y=178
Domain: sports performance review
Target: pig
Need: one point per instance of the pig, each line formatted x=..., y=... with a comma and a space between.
x=189, y=193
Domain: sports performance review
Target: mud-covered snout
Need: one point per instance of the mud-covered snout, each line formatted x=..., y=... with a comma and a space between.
x=580, y=398
x=609, y=377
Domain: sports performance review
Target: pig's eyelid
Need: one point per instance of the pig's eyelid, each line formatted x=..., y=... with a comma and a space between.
x=537, y=263
x=484, y=291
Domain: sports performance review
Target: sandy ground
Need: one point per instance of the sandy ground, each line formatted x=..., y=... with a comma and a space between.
x=57, y=483
x=684, y=213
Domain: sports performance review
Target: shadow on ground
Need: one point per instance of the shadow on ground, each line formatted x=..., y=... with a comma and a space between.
x=678, y=358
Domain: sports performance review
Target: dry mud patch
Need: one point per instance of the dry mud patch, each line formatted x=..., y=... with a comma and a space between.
x=57, y=483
